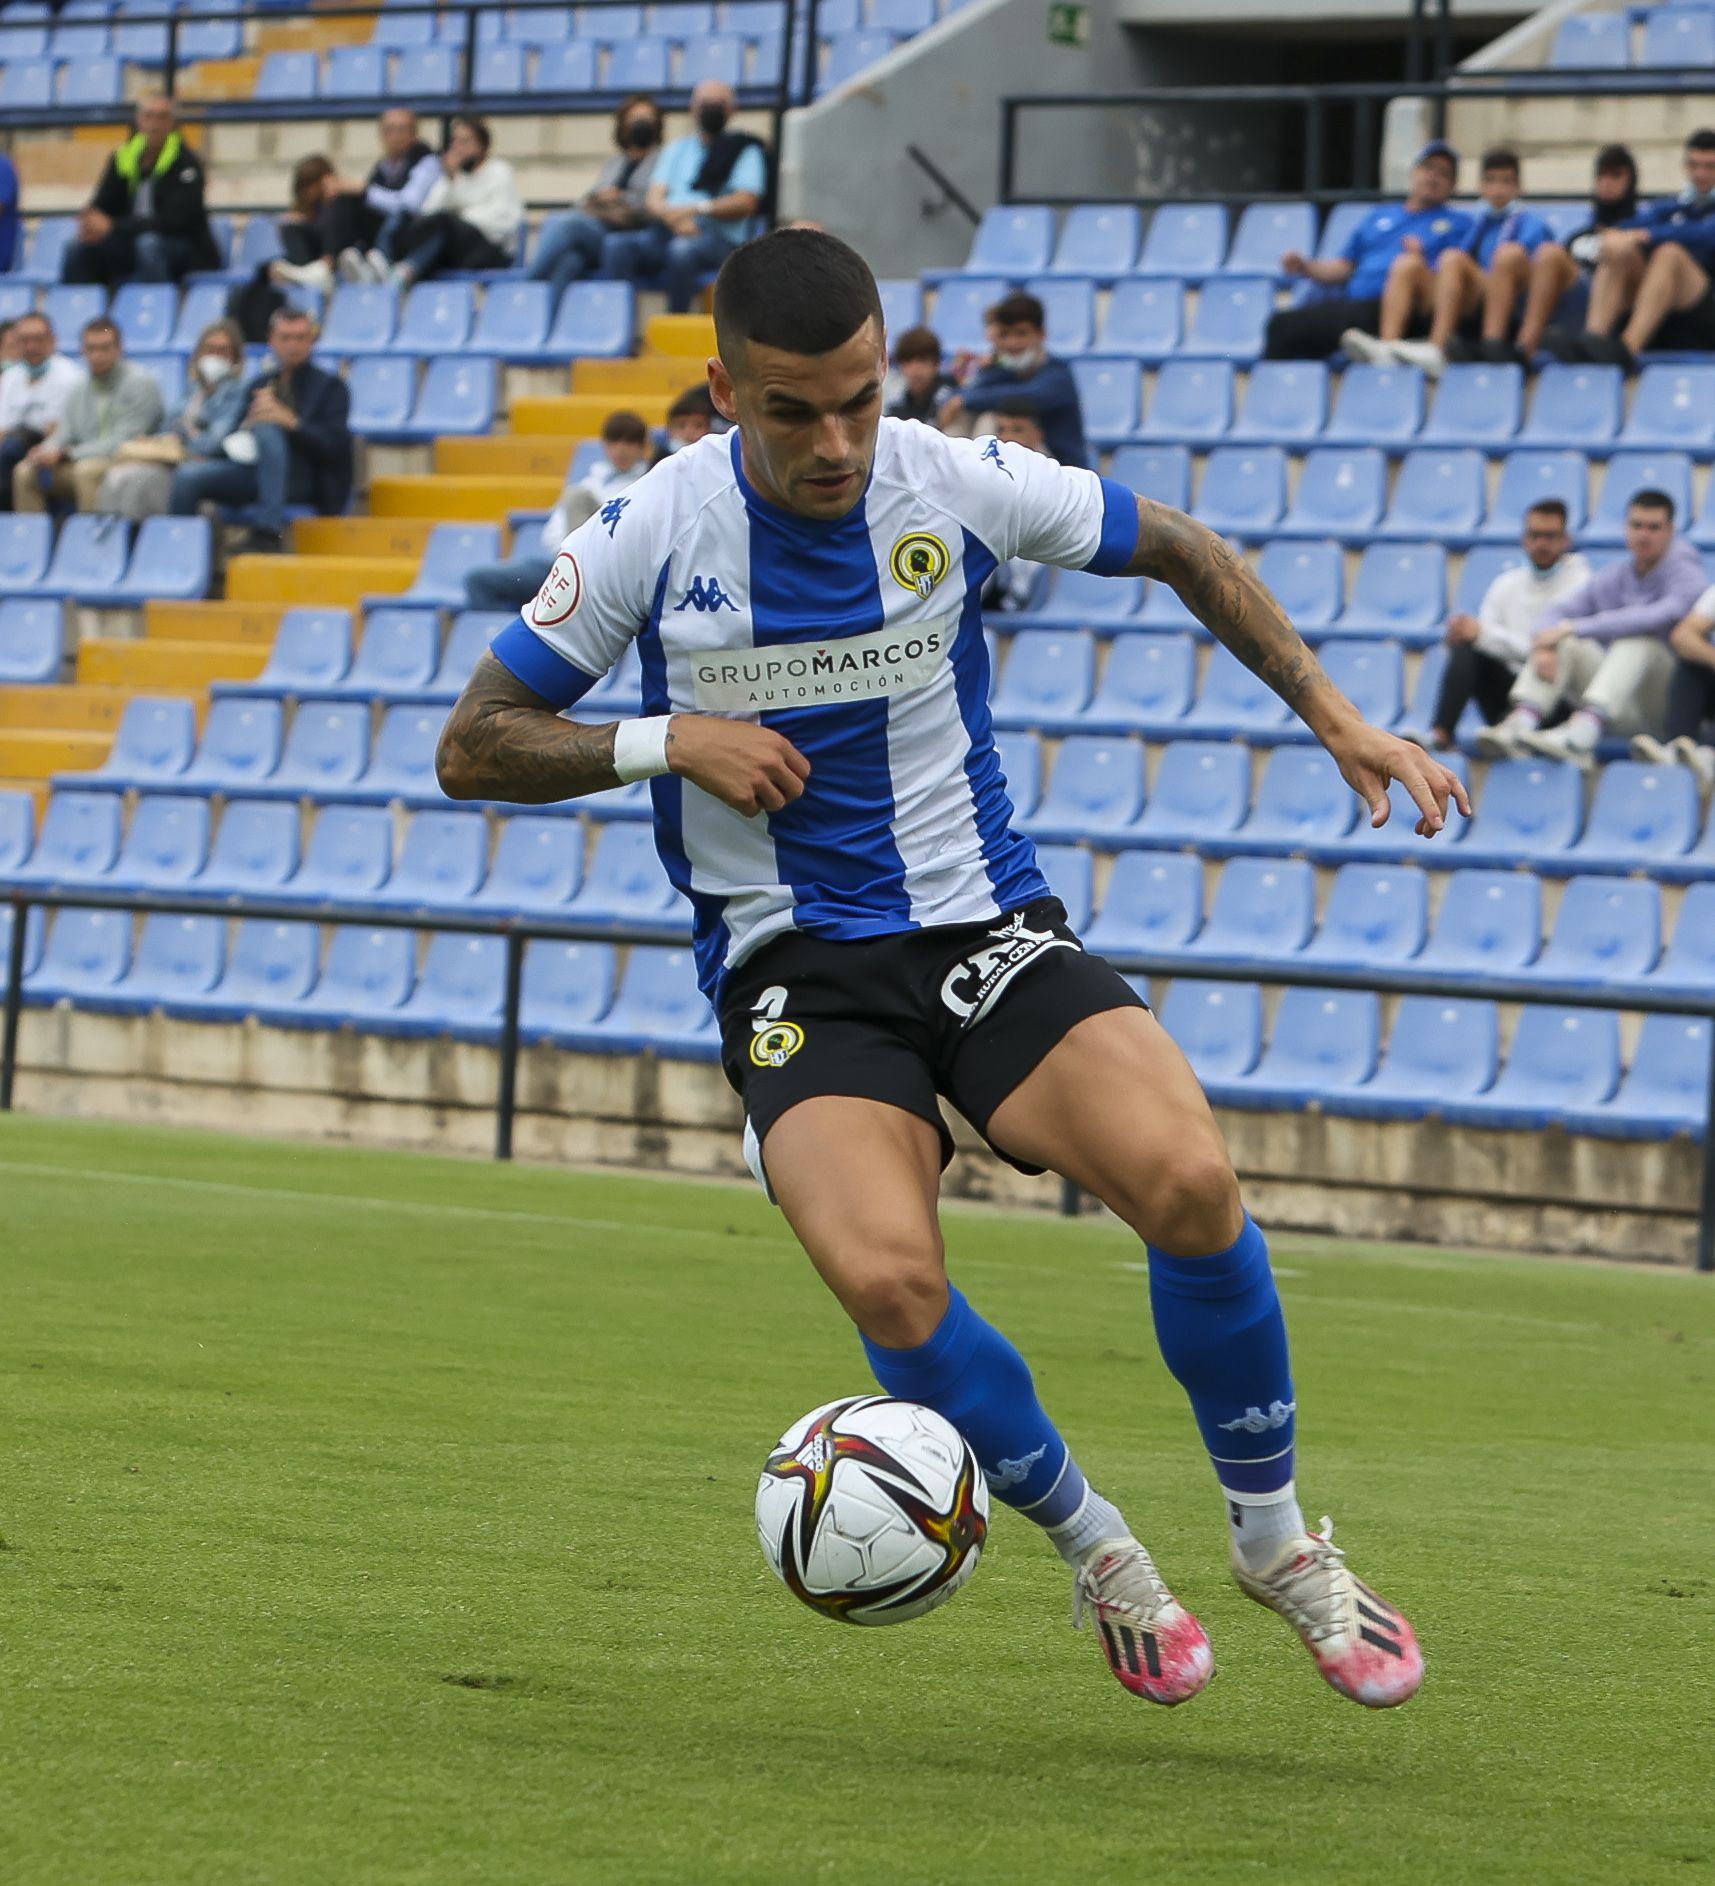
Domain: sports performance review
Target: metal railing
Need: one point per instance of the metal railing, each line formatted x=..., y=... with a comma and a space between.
x=518, y=931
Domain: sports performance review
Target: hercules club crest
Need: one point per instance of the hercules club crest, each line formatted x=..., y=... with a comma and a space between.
x=919, y=561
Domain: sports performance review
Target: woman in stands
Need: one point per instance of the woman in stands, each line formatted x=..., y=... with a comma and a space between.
x=571, y=243
x=471, y=218
x=141, y=475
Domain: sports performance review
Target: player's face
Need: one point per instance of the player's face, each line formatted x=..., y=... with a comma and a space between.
x=808, y=420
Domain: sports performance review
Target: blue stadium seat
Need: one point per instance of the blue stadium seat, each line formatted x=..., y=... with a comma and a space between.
x=1608, y=931
x=1476, y=404
x=1439, y=1050
x=959, y=305
x=1013, y=241
x=16, y=297
x=1531, y=812
x=638, y=65
x=1483, y=563
x=154, y=743
x=1302, y=805
x=460, y=991
x=1400, y=590
x=96, y=84
x=904, y=17
x=178, y=960
x=425, y=72
x=658, y=1008
x=1047, y=680
x=1082, y=599
x=1144, y=319
x=1703, y=526
x=1673, y=410
x=713, y=56
x=76, y=39
x=348, y=859
x=1679, y=37
x=499, y=68
x=23, y=34
x=1371, y=675
x=441, y=863
x=1266, y=232
x=1560, y=1060
x=1233, y=703
x=1527, y=475
x=901, y=304
x=1098, y=242
x=1217, y=1025
x=1071, y=874
x=1632, y=472
x=169, y=371
x=1111, y=394
x=311, y=654
x=1153, y=905
x=1069, y=312
x=469, y=636
x=271, y=965
x=145, y=314
x=1689, y=964
x=597, y=319
x=1202, y=791
x=355, y=72
x=1591, y=42
x=1376, y=406
x=1438, y=495
x=287, y=76
x=566, y=988
x=324, y=755
x=1397, y=841
x=396, y=658
x=383, y=389
x=1232, y=312
x=394, y=29
x=1666, y=1089
x=45, y=256
x=35, y=929
x=1185, y=240
x=1307, y=579
x=680, y=20
x=1192, y=403
x=1576, y=405
x=1020, y=756
x=26, y=544
x=1639, y=816
x=367, y=976
x=1096, y=790
x=1419, y=713
x=165, y=847
x=69, y=305
x=1325, y=1041
x=172, y=560
x=1341, y=491
x=436, y=318
x=87, y=951
x=240, y=747
x=625, y=884
x=1489, y=924
x=1376, y=915
x=360, y=319
x=1244, y=490
x=1164, y=609
x=452, y=550
x=78, y=842
x=1161, y=472
x=538, y=866
x=202, y=304
x=752, y=19
x=565, y=68
x=553, y=26
x=403, y=766
x=260, y=243
x=89, y=558
x=255, y=851
x=32, y=639
x=1146, y=686
x=1286, y=403
x=17, y=830
x=513, y=324
x=1263, y=909
x=210, y=39
x=27, y=85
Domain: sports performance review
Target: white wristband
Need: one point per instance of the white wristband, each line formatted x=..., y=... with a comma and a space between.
x=640, y=748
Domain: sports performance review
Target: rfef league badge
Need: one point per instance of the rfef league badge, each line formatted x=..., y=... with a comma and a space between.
x=561, y=592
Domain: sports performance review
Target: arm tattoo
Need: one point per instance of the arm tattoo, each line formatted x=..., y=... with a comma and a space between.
x=1225, y=593
x=503, y=741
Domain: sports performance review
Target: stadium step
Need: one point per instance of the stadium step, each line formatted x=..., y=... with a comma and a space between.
x=669, y=375
x=75, y=709
x=389, y=532
x=325, y=582
x=692, y=334
x=35, y=753
x=213, y=621
x=581, y=413
x=233, y=79
x=466, y=500
x=508, y=455
x=169, y=667
x=314, y=35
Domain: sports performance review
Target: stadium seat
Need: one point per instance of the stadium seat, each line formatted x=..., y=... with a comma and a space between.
x=356, y=72
x=460, y=992
x=68, y=305
x=45, y=256
x=457, y=395
x=154, y=742
x=566, y=987
x=594, y=319
x=383, y=389
x=903, y=17
x=1324, y=1042
x=717, y=57
x=324, y=754
x=26, y=544
x=1082, y=599
x=499, y=67
x=165, y=847
x=1438, y=495
x=1232, y=312
x=1483, y=563
x=901, y=304
x=396, y=658
x=752, y=19
x=554, y=26
x=1217, y=1025
x=1397, y=841
x=1376, y=406
x=77, y=843
x=1098, y=242
x=1202, y=791
x=145, y=314
x=1047, y=680
x=1192, y=403
x=74, y=40
x=27, y=85
x=1372, y=677
x=1679, y=37
x=1095, y=790
x=17, y=830
x=16, y=297
x=1576, y=405
x=287, y=76
x=311, y=654
x=1489, y=924
x=1400, y=590
x=451, y=551
x=1302, y=805
x=626, y=885
x=1286, y=403
x=1071, y=874
x=367, y=976
x=1689, y=964
x=270, y=966
x=89, y=559
x=32, y=639
x=1263, y=909
x=1639, y=816
x=1013, y=241
x=255, y=851
x=638, y=65
x=1476, y=404
x=169, y=372
x=1069, y=312
x=538, y=866
x=441, y=863
x=360, y=319
x=1629, y=473
x=659, y=1009
x=1591, y=42
x=1561, y=1059
x=348, y=858
x=1439, y=1050
x=1163, y=608
x=565, y=68
x=259, y=243
x=1608, y=930
x=35, y=929
x=178, y=959
x=1307, y=580
x=1673, y=410
x=1666, y=1089
x=1144, y=319
x=513, y=323
x=1340, y=493
x=172, y=559
x=1528, y=475
x=1153, y=905
x=436, y=317
x=240, y=747
x=1376, y=915
x=202, y=304
x=86, y=951
x=210, y=39
x=23, y=33
x=394, y=29
x=469, y=636
x=1161, y=472
x=959, y=305
x=1146, y=687
x=403, y=766
x=1185, y=240
x=1243, y=491
x=1233, y=703
x=1266, y=232
x=1110, y=393
x=1020, y=755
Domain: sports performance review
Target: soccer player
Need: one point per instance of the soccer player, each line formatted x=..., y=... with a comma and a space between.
x=874, y=934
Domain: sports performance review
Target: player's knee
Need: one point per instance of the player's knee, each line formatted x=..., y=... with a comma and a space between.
x=1192, y=1208
x=898, y=1298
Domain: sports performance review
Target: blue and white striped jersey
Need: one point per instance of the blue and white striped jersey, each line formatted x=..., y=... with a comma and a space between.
x=861, y=641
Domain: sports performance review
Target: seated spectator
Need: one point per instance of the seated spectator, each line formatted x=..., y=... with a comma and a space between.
x=1015, y=585
x=141, y=479
x=33, y=395
x=1602, y=651
x=1471, y=292
x=302, y=253
x=1422, y=226
x=926, y=387
x=111, y=402
x=705, y=189
x=11, y=218
x=358, y=218
x=11, y=351
x=1656, y=273
x=570, y=245
x=293, y=445
x=1019, y=363
x=470, y=217
x=1559, y=272
x=511, y=583
x=691, y=417
x=1688, y=735
x=146, y=221
x=1486, y=651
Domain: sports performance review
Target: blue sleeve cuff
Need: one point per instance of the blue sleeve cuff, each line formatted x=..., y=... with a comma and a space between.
x=521, y=650
x=1118, y=544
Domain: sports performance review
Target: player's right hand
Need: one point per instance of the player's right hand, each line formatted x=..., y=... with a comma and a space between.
x=750, y=768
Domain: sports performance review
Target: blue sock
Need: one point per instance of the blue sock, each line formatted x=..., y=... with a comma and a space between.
x=1222, y=1335
x=969, y=1372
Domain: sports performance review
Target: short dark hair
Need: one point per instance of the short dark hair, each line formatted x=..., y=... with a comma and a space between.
x=1703, y=140
x=32, y=314
x=624, y=428
x=917, y=343
x=800, y=290
x=627, y=108
x=1650, y=499
x=1500, y=158
x=695, y=399
x=99, y=324
x=1612, y=157
x=1016, y=310
x=477, y=127
x=1549, y=507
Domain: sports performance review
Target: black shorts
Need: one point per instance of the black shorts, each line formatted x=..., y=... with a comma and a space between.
x=965, y=1011
x=1689, y=331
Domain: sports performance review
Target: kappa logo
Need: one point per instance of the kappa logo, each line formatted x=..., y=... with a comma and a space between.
x=976, y=982
x=611, y=512
x=992, y=450
x=1254, y=1421
x=706, y=595
x=1013, y=1473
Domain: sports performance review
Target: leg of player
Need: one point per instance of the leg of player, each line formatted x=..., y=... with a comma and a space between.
x=1116, y=1108
x=859, y=1183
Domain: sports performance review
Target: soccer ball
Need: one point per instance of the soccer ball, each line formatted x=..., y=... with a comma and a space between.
x=872, y=1510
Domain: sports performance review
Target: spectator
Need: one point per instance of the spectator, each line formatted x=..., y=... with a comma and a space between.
x=1019, y=363
x=691, y=417
x=303, y=251
x=1655, y=273
x=1559, y=272
x=293, y=446
x=470, y=217
x=510, y=584
x=357, y=219
x=1421, y=226
x=705, y=189
x=33, y=396
x=1472, y=291
x=141, y=481
x=571, y=245
x=1016, y=584
x=1486, y=651
x=1602, y=651
x=146, y=221
x=11, y=218
x=111, y=402
x=917, y=359
x=11, y=350
x=1686, y=734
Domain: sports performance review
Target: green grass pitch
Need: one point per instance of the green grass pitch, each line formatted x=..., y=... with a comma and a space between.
x=373, y=1519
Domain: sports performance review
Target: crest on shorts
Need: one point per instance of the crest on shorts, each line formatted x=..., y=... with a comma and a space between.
x=561, y=592
x=919, y=561
x=776, y=1043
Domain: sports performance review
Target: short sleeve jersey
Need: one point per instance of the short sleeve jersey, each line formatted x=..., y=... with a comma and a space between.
x=860, y=640
x=1377, y=240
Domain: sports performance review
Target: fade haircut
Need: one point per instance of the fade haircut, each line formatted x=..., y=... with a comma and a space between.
x=1499, y=159
x=800, y=290
x=1017, y=310
x=1649, y=499
x=1550, y=507
x=1703, y=140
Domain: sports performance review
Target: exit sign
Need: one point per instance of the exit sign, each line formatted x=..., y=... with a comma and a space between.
x=1068, y=23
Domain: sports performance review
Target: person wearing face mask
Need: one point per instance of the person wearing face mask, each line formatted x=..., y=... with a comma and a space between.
x=691, y=417
x=33, y=396
x=470, y=217
x=570, y=245
x=140, y=480
x=358, y=217
x=706, y=189
x=1019, y=365
x=1560, y=273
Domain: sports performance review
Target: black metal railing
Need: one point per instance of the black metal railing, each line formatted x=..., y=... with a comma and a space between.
x=518, y=931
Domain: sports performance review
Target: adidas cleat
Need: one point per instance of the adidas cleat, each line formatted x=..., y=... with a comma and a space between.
x=1364, y=1647
x=1153, y=1645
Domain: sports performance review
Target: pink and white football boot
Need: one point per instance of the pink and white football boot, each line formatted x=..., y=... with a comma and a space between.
x=1364, y=1647
x=1155, y=1647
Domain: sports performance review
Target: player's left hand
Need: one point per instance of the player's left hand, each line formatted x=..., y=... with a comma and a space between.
x=1370, y=761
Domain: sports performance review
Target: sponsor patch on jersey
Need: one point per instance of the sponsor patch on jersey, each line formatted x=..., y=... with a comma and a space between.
x=775, y=1045
x=561, y=592
x=821, y=674
x=919, y=561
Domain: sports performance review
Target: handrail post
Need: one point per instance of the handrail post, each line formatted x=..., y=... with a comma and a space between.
x=467, y=87
x=508, y=1099
x=170, y=77
x=14, y=1002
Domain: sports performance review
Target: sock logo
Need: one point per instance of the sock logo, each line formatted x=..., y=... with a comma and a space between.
x=1254, y=1421
x=1012, y=1473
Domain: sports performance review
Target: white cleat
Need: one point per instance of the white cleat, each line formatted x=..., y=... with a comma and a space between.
x=1153, y=1645
x=1364, y=1647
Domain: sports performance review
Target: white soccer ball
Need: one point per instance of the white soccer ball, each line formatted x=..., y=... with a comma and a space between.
x=872, y=1510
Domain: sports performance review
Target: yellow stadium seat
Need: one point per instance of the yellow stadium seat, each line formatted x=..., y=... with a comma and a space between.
x=507, y=455
x=387, y=532
x=35, y=754
x=692, y=334
x=213, y=621
x=582, y=413
x=77, y=709
x=664, y=375
x=320, y=582
x=169, y=667
x=465, y=500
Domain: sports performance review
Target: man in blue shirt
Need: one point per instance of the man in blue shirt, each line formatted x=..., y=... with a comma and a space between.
x=1656, y=273
x=1421, y=225
x=1471, y=292
x=1021, y=367
x=706, y=189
